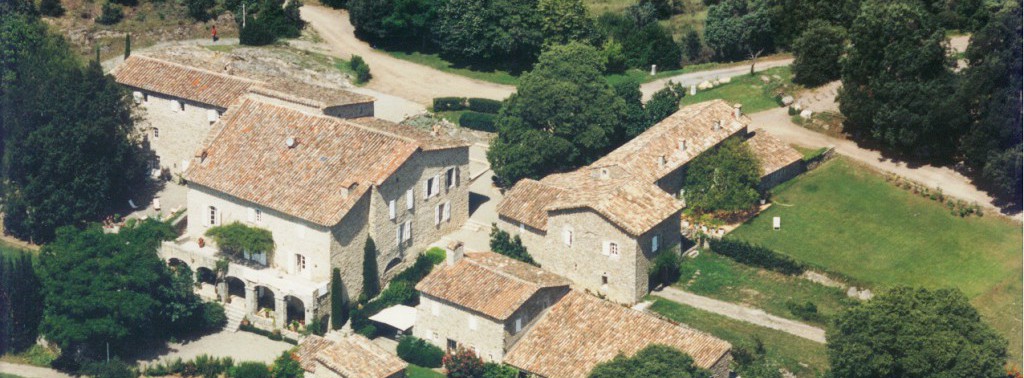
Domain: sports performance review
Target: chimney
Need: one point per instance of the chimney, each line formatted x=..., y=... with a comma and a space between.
x=455, y=253
x=717, y=126
x=682, y=145
x=737, y=111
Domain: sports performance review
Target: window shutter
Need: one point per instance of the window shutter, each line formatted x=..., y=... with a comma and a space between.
x=447, y=211
x=567, y=237
x=654, y=244
x=391, y=209
x=398, y=233
x=437, y=214
x=252, y=215
x=437, y=184
x=408, y=230
x=218, y=217
x=409, y=200
x=457, y=176
x=606, y=246
x=174, y=105
x=426, y=189
x=206, y=217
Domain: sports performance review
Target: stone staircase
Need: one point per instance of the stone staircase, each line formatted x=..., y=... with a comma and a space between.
x=235, y=314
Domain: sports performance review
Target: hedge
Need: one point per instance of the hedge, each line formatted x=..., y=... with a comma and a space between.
x=276, y=336
x=416, y=351
x=746, y=253
x=484, y=105
x=477, y=121
x=443, y=104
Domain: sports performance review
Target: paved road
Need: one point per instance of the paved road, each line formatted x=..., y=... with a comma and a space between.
x=29, y=371
x=743, y=313
x=391, y=75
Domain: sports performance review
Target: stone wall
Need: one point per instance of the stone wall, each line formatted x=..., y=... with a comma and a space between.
x=173, y=134
x=291, y=235
x=781, y=175
x=438, y=320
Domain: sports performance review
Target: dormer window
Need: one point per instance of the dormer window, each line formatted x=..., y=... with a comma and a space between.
x=682, y=145
x=661, y=161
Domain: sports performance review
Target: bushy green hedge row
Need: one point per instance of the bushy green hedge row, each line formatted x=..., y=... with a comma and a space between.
x=476, y=104
x=477, y=121
x=271, y=335
x=755, y=255
x=417, y=351
x=362, y=70
x=401, y=291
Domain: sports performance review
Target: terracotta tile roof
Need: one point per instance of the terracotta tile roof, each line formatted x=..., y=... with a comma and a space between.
x=307, y=351
x=772, y=152
x=182, y=81
x=693, y=125
x=333, y=163
x=488, y=283
x=581, y=331
x=625, y=200
x=192, y=80
x=425, y=139
x=351, y=356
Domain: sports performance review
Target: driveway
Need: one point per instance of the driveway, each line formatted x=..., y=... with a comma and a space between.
x=392, y=75
x=694, y=78
x=743, y=313
x=240, y=346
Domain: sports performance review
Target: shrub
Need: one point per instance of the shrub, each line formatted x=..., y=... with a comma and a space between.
x=336, y=4
x=286, y=367
x=421, y=268
x=397, y=292
x=199, y=10
x=111, y=14
x=478, y=121
x=746, y=253
x=435, y=255
x=509, y=246
x=369, y=331
x=115, y=368
x=51, y=8
x=493, y=370
x=665, y=268
x=249, y=370
x=463, y=364
x=255, y=33
x=444, y=104
x=806, y=311
x=213, y=316
x=361, y=69
x=236, y=238
x=484, y=105
x=417, y=351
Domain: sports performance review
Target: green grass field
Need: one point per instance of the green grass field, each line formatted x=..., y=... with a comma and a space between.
x=748, y=90
x=415, y=371
x=727, y=280
x=435, y=61
x=846, y=218
x=787, y=350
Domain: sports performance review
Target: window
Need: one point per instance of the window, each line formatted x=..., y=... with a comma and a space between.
x=610, y=249
x=567, y=237
x=181, y=105
x=433, y=185
x=449, y=177
x=661, y=161
x=212, y=115
x=409, y=199
x=654, y=243
x=214, y=216
x=404, y=231
x=434, y=336
x=519, y=324
x=156, y=133
x=604, y=279
x=145, y=97
x=447, y=212
x=452, y=345
x=391, y=209
x=522, y=228
x=259, y=215
x=300, y=263
x=472, y=322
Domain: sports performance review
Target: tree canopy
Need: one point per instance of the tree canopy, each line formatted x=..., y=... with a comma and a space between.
x=724, y=179
x=898, y=84
x=913, y=333
x=991, y=92
x=69, y=153
x=736, y=29
x=817, y=52
x=563, y=115
x=653, y=361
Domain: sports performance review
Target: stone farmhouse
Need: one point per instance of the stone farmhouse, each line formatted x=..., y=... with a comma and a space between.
x=351, y=356
x=601, y=225
x=181, y=102
x=512, y=312
x=483, y=302
x=321, y=185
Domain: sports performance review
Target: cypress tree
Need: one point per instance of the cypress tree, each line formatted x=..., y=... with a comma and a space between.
x=127, y=46
x=26, y=302
x=371, y=280
x=339, y=307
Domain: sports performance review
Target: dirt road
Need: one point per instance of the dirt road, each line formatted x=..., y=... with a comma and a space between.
x=743, y=313
x=694, y=78
x=392, y=75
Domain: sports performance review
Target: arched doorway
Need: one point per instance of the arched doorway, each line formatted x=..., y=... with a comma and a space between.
x=264, y=300
x=236, y=288
x=206, y=276
x=296, y=310
x=175, y=264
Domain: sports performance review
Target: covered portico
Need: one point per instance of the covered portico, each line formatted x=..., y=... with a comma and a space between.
x=272, y=298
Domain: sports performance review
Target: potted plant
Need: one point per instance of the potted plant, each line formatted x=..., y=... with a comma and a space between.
x=201, y=242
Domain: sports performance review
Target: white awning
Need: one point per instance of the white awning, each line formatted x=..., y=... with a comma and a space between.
x=398, y=316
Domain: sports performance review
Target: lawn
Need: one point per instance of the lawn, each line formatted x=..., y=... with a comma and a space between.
x=803, y=357
x=846, y=218
x=748, y=90
x=727, y=280
x=435, y=61
x=415, y=371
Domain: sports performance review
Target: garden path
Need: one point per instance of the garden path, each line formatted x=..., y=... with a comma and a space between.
x=743, y=313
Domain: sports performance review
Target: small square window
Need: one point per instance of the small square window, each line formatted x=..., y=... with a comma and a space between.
x=156, y=133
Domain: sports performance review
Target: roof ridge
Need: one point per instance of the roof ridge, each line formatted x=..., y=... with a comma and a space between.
x=194, y=68
x=503, y=274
